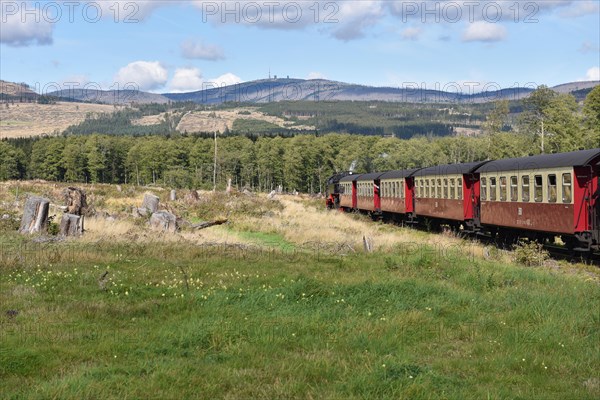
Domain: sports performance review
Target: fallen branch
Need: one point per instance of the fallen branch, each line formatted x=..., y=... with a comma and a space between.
x=204, y=225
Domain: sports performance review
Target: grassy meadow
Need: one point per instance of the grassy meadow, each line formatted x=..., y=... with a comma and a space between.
x=283, y=302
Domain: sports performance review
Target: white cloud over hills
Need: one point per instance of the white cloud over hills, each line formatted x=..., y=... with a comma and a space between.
x=144, y=75
x=190, y=79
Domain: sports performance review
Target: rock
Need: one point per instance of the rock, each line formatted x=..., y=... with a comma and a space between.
x=164, y=221
x=150, y=202
x=5, y=216
x=272, y=195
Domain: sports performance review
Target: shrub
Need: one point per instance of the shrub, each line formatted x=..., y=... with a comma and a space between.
x=530, y=253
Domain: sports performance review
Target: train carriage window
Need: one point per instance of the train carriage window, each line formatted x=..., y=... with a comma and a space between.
x=503, y=188
x=552, y=189
x=514, y=188
x=452, y=188
x=397, y=189
x=538, y=190
x=483, y=189
x=426, y=187
x=566, y=188
x=493, y=189
x=445, y=186
x=525, y=188
x=460, y=188
x=402, y=188
x=438, y=189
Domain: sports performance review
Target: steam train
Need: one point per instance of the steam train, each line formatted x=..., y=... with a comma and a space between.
x=538, y=197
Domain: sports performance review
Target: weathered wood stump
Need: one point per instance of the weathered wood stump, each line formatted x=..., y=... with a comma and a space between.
x=272, y=195
x=192, y=196
x=228, y=190
x=173, y=195
x=150, y=202
x=71, y=225
x=75, y=201
x=35, y=215
x=164, y=221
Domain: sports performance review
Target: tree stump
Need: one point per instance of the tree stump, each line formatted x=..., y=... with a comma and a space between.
x=272, y=195
x=35, y=215
x=150, y=202
x=71, y=225
x=192, y=196
x=75, y=201
x=173, y=195
x=228, y=190
x=164, y=221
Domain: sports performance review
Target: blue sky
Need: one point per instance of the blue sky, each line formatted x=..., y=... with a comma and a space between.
x=176, y=46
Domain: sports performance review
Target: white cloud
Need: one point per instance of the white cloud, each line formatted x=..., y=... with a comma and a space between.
x=410, y=33
x=190, y=80
x=186, y=80
x=316, y=75
x=482, y=31
x=18, y=29
x=226, y=79
x=197, y=50
x=145, y=75
x=581, y=8
x=593, y=74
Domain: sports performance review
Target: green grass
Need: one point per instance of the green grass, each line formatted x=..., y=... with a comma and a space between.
x=218, y=322
x=270, y=240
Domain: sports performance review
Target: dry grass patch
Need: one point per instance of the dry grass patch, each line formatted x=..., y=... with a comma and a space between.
x=32, y=119
x=211, y=121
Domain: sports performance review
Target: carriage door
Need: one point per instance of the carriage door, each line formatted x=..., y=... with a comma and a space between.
x=596, y=210
x=376, y=195
x=354, y=195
